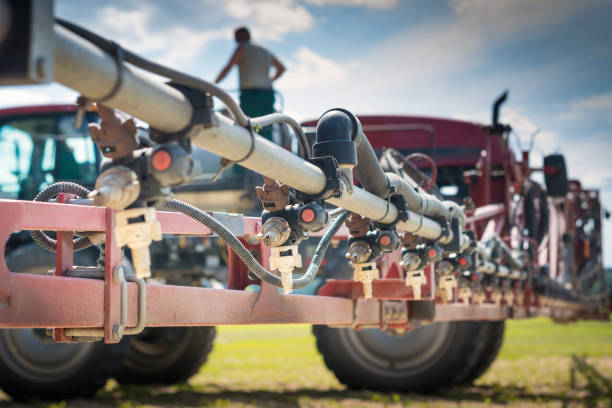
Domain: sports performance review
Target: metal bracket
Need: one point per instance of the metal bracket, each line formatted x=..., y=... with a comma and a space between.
x=203, y=114
x=393, y=314
x=233, y=222
x=399, y=202
x=88, y=334
x=333, y=185
x=455, y=244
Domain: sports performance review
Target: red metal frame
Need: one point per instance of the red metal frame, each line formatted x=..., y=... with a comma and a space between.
x=64, y=302
x=57, y=301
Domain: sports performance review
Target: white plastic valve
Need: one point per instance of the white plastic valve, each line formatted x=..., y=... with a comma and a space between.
x=497, y=297
x=416, y=279
x=285, y=259
x=365, y=273
x=138, y=236
x=465, y=293
x=508, y=297
x=479, y=297
x=448, y=284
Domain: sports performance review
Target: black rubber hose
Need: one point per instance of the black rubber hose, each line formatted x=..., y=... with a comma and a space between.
x=245, y=256
x=319, y=253
x=49, y=193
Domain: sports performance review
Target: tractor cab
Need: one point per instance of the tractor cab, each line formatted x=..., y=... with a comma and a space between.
x=40, y=145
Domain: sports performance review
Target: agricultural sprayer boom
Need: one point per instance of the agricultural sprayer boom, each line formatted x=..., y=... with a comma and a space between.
x=416, y=257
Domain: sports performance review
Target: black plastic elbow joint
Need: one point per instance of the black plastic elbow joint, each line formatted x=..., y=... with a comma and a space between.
x=336, y=131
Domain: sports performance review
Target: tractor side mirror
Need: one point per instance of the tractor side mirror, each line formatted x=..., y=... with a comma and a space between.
x=555, y=175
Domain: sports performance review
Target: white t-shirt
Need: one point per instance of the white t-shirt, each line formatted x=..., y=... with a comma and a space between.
x=254, y=67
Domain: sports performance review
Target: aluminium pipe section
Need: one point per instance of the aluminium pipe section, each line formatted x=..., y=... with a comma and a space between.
x=82, y=66
x=417, y=200
x=368, y=169
x=233, y=142
x=87, y=69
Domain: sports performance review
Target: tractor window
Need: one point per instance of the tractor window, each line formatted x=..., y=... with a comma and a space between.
x=48, y=156
x=451, y=183
x=40, y=149
x=15, y=150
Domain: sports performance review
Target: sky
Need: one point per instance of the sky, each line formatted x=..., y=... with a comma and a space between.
x=436, y=58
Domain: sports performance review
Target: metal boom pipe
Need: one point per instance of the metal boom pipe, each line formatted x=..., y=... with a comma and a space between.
x=87, y=69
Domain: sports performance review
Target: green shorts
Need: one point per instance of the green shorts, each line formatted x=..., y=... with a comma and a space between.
x=258, y=102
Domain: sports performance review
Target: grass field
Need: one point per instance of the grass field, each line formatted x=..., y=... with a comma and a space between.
x=278, y=366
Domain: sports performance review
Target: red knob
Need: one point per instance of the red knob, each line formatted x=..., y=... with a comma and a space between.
x=385, y=240
x=161, y=160
x=308, y=215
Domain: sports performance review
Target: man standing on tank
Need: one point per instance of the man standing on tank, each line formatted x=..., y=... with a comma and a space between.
x=254, y=62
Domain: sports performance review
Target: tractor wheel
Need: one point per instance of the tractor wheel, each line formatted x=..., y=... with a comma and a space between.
x=493, y=336
x=422, y=360
x=536, y=212
x=33, y=365
x=165, y=355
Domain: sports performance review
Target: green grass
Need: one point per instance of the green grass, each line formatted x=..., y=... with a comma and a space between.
x=541, y=337
x=279, y=366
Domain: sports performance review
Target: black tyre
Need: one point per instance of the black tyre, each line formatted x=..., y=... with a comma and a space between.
x=422, y=360
x=33, y=365
x=493, y=335
x=536, y=212
x=166, y=355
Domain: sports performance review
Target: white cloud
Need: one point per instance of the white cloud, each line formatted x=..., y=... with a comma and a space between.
x=35, y=95
x=593, y=107
x=375, y=4
x=588, y=160
x=597, y=178
x=545, y=141
x=174, y=45
x=310, y=69
x=17, y=97
x=504, y=16
x=270, y=19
